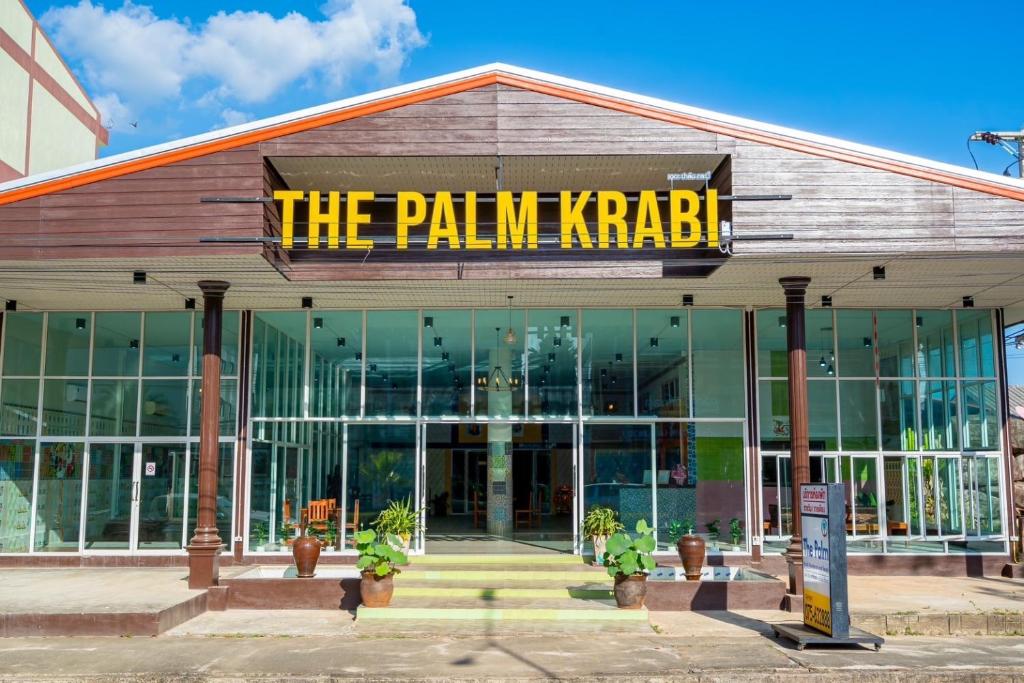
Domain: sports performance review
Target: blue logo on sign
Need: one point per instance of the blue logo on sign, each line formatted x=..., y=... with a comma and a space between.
x=824, y=527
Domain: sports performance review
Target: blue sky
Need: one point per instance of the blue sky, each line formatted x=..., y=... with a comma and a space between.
x=916, y=77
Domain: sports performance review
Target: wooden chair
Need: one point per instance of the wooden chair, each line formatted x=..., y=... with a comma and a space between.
x=353, y=526
x=897, y=528
x=479, y=511
x=529, y=516
x=315, y=517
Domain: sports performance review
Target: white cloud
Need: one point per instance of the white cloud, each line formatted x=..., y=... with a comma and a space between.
x=114, y=114
x=132, y=57
x=233, y=117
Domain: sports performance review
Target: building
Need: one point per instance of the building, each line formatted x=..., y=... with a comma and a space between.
x=47, y=120
x=506, y=296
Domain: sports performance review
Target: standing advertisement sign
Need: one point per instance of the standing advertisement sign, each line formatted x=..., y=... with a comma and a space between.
x=826, y=610
x=823, y=509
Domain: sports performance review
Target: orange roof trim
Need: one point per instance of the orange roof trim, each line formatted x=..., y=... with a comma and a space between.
x=557, y=90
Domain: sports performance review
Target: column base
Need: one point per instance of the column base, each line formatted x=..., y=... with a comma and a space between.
x=203, y=566
x=793, y=603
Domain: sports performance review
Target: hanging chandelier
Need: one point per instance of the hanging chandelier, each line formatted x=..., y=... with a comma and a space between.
x=510, y=336
x=498, y=380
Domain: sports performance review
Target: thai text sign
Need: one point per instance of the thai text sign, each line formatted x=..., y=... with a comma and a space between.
x=823, y=525
x=501, y=221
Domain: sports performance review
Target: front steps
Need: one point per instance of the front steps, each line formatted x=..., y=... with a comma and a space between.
x=480, y=595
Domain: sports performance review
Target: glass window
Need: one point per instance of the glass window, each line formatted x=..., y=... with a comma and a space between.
x=617, y=471
x=391, y=362
x=67, y=344
x=822, y=428
x=976, y=350
x=720, y=485
x=861, y=474
x=22, y=343
x=858, y=415
x=336, y=345
x=261, y=518
x=116, y=345
x=64, y=403
x=663, y=369
x=949, y=492
x=718, y=375
x=279, y=343
x=939, y=429
x=981, y=495
x=607, y=385
x=856, y=334
x=162, y=496
x=225, y=491
x=108, y=512
x=59, y=497
x=773, y=406
x=675, y=479
x=19, y=400
x=228, y=403
x=113, y=407
x=381, y=466
x=895, y=343
x=17, y=458
x=447, y=350
x=777, y=492
x=981, y=416
x=821, y=353
x=493, y=352
x=772, y=354
x=897, y=404
x=166, y=344
x=228, y=343
x=935, y=343
x=552, y=353
x=164, y=408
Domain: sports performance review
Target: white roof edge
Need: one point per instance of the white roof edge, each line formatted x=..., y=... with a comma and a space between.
x=497, y=67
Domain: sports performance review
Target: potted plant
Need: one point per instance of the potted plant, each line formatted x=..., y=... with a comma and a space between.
x=398, y=519
x=330, y=535
x=306, y=552
x=629, y=559
x=599, y=523
x=260, y=533
x=691, y=548
x=377, y=568
x=287, y=533
x=713, y=529
x=736, y=532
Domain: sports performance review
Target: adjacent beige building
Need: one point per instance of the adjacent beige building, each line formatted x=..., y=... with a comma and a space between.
x=47, y=120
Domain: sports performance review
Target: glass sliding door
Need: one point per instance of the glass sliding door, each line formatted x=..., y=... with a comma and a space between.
x=161, y=496
x=617, y=471
x=110, y=497
x=59, y=497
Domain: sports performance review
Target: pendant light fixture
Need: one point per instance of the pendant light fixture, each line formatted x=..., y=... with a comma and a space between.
x=510, y=336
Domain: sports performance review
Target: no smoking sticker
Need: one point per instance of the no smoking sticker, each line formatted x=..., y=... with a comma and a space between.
x=150, y=469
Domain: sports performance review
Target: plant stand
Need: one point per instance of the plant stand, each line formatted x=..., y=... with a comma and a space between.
x=804, y=635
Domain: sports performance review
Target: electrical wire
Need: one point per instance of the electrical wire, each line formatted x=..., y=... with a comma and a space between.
x=971, y=152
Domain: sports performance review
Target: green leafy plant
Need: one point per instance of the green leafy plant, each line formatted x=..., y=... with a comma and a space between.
x=330, y=534
x=736, y=530
x=379, y=558
x=287, y=531
x=260, y=533
x=675, y=531
x=688, y=526
x=628, y=555
x=398, y=518
x=713, y=528
x=601, y=521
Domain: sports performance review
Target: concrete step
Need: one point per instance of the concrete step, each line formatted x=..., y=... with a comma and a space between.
x=442, y=589
x=478, y=574
x=520, y=560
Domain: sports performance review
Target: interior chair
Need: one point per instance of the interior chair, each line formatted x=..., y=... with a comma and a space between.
x=530, y=515
x=479, y=511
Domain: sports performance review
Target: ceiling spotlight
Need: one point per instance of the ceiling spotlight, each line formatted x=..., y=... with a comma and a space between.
x=307, y=302
x=968, y=302
x=618, y=358
x=919, y=321
x=133, y=344
x=373, y=367
x=878, y=272
x=11, y=305
x=687, y=299
x=359, y=355
x=428, y=321
x=190, y=304
x=557, y=341
x=867, y=342
x=437, y=341
x=175, y=358
x=139, y=277
x=674, y=321
x=445, y=355
x=341, y=341
x=654, y=342
x=318, y=323
x=831, y=370
x=604, y=372
x=79, y=323
x=782, y=321
x=826, y=301
x=565, y=321
x=551, y=357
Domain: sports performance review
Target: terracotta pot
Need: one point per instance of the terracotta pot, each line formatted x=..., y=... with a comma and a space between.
x=376, y=591
x=306, y=551
x=630, y=591
x=691, y=552
x=600, y=545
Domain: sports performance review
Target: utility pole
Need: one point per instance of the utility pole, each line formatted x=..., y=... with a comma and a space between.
x=1003, y=139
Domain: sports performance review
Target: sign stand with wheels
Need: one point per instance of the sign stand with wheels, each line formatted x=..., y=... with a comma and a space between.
x=826, y=608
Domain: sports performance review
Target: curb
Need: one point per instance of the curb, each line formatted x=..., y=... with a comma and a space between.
x=1002, y=623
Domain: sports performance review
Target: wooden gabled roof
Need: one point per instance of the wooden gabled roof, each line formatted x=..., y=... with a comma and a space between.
x=557, y=86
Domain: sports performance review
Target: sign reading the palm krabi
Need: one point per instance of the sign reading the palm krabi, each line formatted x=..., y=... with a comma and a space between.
x=583, y=221
x=823, y=525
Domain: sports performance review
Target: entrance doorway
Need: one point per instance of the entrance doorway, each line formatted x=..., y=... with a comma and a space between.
x=499, y=487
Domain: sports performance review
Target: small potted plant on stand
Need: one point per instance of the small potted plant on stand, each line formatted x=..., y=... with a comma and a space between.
x=287, y=534
x=736, y=532
x=330, y=535
x=398, y=519
x=629, y=560
x=599, y=523
x=260, y=535
x=377, y=566
x=690, y=547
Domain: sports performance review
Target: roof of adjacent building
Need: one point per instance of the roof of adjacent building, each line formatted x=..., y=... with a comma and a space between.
x=460, y=81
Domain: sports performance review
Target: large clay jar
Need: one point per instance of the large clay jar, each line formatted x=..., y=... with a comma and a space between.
x=306, y=551
x=600, y=545
x=630, y=591
x=691, y=552
x=376, y=591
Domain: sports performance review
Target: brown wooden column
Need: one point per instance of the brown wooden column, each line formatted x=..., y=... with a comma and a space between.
x=205, y=547
x=800, y=461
